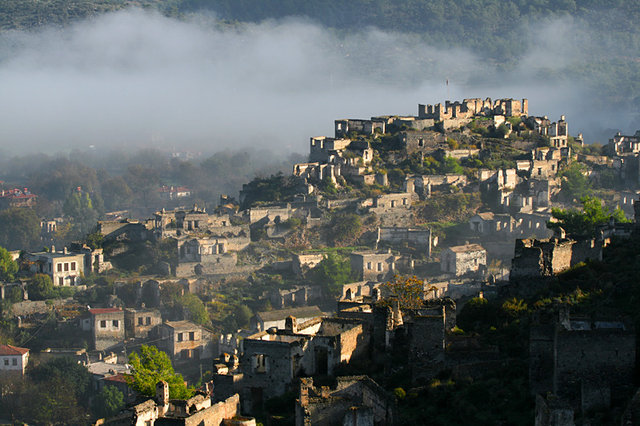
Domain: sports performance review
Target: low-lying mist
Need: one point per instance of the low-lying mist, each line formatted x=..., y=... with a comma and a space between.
x=136, y=79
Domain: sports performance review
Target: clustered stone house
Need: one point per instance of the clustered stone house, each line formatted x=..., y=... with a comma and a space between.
x=181, y=340
x=67, y=267
x=17, y=197
x=289, y=345
x=576, y=363
x=200, y=410
x=366, y=329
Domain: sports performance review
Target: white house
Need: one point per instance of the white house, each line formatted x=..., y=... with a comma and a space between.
x=13, y=359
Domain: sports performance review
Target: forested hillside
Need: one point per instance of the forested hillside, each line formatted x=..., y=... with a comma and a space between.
x=602, y=37
x=26, y=14
x=493, y=26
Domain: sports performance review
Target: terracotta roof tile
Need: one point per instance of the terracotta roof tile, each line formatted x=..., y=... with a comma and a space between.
x=12, y=350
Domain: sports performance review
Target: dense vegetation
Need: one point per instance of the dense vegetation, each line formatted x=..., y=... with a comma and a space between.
x=82, y=186
x=30, y=13
x=602, y=54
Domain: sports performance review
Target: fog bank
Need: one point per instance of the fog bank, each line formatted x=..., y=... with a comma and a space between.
x=139, y=79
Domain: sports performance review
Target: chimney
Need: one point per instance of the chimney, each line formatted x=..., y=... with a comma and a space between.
x=53, y=248
x=162, y=393
x=65, y=251
x=209, y=388
x=291, y=324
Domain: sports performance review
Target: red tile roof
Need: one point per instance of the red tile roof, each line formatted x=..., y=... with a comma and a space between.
x=12, y=350
x=122, y=378
x=97, y=311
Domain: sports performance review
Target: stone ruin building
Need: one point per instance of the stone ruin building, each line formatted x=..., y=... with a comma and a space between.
x=199, y=410
x=582, y=363
x=354, y=400
x=471, y=107
x=461, y=260
x=624, y=144
x=535, y=258
x=271, y=360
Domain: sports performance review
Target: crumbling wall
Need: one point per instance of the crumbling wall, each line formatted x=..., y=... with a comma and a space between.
x=420, y=237
x=353, y=343
x=552, y=413
x=214, y=264
x=596, y=361
x=216, y=414
x=421, y=141
x=426, y=346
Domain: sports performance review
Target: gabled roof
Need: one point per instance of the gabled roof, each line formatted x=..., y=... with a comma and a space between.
x=466, y=248
x=181, y=325
x=486, y=215
x=12, y=350
x=121, y=378
x=97, y=311
x=281, y=314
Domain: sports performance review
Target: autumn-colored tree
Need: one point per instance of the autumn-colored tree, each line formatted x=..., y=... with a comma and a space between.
x=409, y=291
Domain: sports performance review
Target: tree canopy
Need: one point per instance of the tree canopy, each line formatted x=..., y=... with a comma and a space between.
x=40, y=287
x=8, y=267
x=194, y=309
x=585, y=221
x=151, y=366
x=575, y=184
x=332, y=272
x=79, y=206
x=19, y=229
x=108, y=402
x=409, y=291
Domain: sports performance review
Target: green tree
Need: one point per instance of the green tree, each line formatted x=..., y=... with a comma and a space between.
x=95, y=240
x=328, y=186
x=575, y=184
x=194, y=309
x=108, y=402
x=63, y=368
x=40, y=287
x=116, y=194
x=479, y=314
x=8, y=267
x=586, y=221
x=80, y=208
x=344, y=228
x=242, y=315
x=332, y=272
x=61, y=388
x=19, y=229
x=451, y=165
x=150, y=367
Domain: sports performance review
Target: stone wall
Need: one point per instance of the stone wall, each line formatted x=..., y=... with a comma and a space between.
x=592, y=362
x=582, y=361
x=214, y=264
x=354, y=343
x=216, y=414
x=552, y=413
x=427, y=141
x=37, y=307
x=108, y=329
x=544, y=258
x=355, y=400
x=420, y=237
x=426, y=346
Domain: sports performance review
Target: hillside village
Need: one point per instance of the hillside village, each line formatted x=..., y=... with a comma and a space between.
x=411, y=264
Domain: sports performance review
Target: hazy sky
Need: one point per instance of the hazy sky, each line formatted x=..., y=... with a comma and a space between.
x=139, y=79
